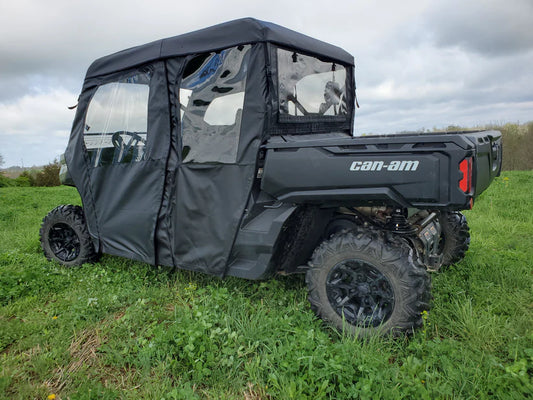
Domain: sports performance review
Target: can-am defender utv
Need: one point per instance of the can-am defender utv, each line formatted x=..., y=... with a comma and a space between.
x=229, y=151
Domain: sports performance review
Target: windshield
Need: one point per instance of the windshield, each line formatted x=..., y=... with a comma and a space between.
x=308, y=86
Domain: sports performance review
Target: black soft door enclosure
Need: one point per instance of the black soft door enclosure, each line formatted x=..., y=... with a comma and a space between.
x=219, y=106
x=116, y=156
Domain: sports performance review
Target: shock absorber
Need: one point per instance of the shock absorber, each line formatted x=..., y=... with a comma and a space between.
x=397, y=222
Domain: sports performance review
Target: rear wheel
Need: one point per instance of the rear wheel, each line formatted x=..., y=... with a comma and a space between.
x=455, y=237
x=65, y=238
x=362, y=283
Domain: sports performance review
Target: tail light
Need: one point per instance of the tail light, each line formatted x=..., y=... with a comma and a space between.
x=465, y=166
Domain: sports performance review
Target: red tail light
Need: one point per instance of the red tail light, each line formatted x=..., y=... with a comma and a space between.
x=465, y=184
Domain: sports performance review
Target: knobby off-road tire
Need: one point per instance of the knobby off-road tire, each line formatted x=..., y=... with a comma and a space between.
x=65, y=238
x=455, y=237
x=364, y=284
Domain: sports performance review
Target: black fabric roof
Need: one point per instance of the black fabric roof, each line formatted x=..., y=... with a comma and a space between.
x=232, y=33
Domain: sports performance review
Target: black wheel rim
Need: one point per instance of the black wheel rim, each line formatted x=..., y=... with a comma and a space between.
x=64, y=242
x=360, y=293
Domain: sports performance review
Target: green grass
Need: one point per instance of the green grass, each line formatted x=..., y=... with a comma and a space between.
x=123, y=329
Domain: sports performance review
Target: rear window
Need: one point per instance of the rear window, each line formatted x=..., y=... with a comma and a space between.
x=310, y=88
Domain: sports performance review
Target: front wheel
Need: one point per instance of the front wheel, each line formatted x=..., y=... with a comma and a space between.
x=363, y=283
x=65, y=238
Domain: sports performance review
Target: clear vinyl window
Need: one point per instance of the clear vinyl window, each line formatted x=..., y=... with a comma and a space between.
x=211, y=100
x=116, y=123
x=308, y=86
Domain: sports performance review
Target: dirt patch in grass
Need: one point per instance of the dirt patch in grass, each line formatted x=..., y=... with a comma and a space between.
x=255, y=393
x=83, y=352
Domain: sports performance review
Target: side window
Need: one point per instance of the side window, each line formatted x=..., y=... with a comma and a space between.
x=116, y=123
x=211, y=102
x=308, y=86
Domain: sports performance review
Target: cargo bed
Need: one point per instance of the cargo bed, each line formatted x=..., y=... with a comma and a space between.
x=427, y=170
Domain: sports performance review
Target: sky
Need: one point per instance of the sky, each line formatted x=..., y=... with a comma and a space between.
x=420, y=64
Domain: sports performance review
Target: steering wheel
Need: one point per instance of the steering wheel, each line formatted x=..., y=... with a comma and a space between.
x=125, y=146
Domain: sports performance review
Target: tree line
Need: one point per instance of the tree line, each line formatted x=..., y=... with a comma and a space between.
x=48, y=176
x=517, y=146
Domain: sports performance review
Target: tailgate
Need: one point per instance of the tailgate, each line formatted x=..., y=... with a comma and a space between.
x=488, y=160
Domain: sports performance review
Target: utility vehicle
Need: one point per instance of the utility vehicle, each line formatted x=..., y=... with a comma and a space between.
x=230, y=151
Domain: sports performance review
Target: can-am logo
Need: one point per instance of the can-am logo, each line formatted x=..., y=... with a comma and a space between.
x=406, y=165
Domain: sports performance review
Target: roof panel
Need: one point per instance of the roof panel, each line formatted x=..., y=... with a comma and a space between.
x=232, y=33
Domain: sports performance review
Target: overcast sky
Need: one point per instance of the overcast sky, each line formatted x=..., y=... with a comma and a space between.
x=420, y=64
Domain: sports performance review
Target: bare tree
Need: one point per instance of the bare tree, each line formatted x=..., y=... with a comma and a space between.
x=1, y=160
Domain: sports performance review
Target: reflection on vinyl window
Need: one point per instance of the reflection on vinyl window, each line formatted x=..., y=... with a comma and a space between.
x=211, y=103
x=116, y=123
x=224, y=110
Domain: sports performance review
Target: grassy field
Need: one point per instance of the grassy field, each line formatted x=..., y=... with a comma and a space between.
x=123, y=329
